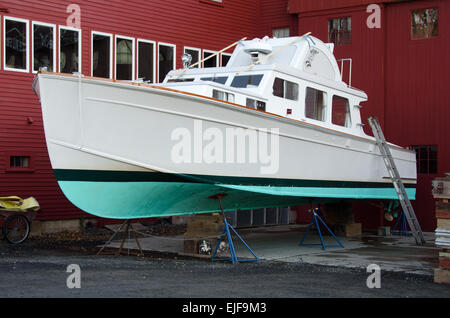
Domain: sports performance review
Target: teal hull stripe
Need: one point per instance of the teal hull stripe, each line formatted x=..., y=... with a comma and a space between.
x=126, y=200
x=141, y=176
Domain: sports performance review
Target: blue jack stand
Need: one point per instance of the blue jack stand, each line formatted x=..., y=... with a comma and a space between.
x=228, y=230
x=315, y=221
x=401, y=221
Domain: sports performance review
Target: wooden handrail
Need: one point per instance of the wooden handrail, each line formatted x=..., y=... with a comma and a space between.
x=207, y=58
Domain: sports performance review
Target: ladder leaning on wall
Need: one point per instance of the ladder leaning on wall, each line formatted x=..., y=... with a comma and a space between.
x=397, y=181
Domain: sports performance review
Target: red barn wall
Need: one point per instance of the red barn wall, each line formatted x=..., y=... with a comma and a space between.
x=405, y=80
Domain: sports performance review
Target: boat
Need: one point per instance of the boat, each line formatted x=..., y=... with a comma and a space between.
x=276, y=126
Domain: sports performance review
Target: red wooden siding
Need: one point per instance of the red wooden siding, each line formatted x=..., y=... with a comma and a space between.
x=194, y=23
x=406, y=80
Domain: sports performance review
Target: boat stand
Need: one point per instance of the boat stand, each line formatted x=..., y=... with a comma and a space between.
x=128, y=230
x=401, y=222
x=315, y=221
x=228, y=231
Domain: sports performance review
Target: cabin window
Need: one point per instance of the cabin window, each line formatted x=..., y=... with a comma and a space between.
x=246, y=81
x=180, y=80
x=212, y=62
x=220, y=79
x=195, y=54
x=101, y=55
x=166, y=60
x=16, y=44
x=285, y=89
x=19, y=161
x=228, y=97
x=124, y=58
x=146, y=61
x=43, y=47
x=256, y=104
x=280, y=32
x=69, y=50
x=424, y=23
x=426, y=159
x=340, y=112
x=224, y=58
x=315, y=104
x=340, y=30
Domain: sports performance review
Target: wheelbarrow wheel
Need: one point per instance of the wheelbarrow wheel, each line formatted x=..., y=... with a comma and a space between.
x=16, y=229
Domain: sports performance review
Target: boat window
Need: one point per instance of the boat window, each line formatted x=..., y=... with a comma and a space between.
x=340, y=112
x=220, y=79
x=247, y=81
x=285, y=89
x=256, y=104
x=228, y=97
x=315, y=104
x=180, y=80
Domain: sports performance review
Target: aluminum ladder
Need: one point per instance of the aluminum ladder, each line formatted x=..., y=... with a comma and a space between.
x=397, y=181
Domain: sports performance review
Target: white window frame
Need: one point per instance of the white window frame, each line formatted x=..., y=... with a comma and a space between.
x=194, y=49
x=111, y=60
x=53, y=26
x=222, y=54
x=154, y=58
x=62, y=27
x=212, y=52
x=133, y=55
x=27, y=54
x=174, y=66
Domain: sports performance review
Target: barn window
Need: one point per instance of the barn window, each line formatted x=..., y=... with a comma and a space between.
x=315, y=104
x=340, y=30
x=224, y=58
x=280, y=32
x=285, y=89
x=424, y=23
x=16, y=44
x=19, y=161
x=43, y=43
x=166, y=59
x=69, y=50
x=340, y=112
x=426, y=159
x=124, y=58
x=212, y=62
x=146, y=60
x=101, y=55
x=195, y=54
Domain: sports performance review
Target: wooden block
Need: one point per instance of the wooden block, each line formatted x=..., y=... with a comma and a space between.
x=444, y=262
x=442, y=276
x=348, y=230
x=191, y=246
x=442, y=214
x=384, y=231
x=443, y=223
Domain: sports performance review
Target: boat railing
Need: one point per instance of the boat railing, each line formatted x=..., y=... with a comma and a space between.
x=349, y=60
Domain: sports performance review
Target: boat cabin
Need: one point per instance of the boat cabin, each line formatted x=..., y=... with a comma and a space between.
x=297, y=78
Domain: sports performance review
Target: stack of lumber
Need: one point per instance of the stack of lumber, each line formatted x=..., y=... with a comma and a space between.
x=202, y=226
x=441, y=192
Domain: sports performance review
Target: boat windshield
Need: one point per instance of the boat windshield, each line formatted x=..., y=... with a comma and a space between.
x=247, y=81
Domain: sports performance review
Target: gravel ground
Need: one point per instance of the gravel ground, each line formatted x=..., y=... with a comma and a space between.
x=37, y=268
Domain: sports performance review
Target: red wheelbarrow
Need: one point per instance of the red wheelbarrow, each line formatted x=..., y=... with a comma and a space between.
x=18, y=214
